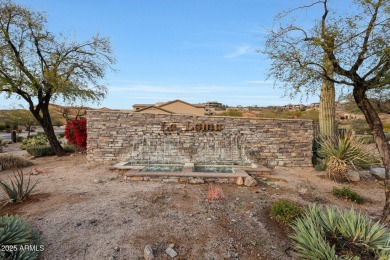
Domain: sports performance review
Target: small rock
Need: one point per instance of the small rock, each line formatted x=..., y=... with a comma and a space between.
x=136, y=178
x=240, y=181
x=97, y=181
x=250, y=181
x=196, y=181
x=353, y=176
x=263, y=189
x=303, y=191
x=172, y=245
x=148, y=252
x=111, y=178
x=378, y=172
x=78, y=224
x=93, y=222
x=117, y=248
x=172, y=253
x=111, y=258
x=209, y=219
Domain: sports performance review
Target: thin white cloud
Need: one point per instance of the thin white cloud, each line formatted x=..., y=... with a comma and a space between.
x=239, y=51
x=167, y=89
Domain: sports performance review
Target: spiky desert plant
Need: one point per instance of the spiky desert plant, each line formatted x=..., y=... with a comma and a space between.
x=16, y=233
x=215, y=193
x=344, y=153
x=339, y=234
x=10, y=161
x=18, y=190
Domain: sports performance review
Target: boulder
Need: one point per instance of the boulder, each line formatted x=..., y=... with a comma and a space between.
x=250, y=181
x=378, y=172
x=240, y=181
x=353, y=176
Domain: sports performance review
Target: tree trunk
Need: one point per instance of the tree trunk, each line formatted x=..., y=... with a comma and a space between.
x=327, y=104
x=373, y=120
x=45, y=122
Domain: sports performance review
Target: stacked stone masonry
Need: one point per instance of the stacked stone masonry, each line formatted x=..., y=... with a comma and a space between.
x=140, y=138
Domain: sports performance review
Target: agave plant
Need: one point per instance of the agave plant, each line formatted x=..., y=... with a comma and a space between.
x=344, y=153
x=339, y=234
x=15, y=232
x=18, y=190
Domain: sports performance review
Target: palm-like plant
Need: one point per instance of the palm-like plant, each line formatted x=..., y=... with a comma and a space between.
x=15, y=232
x=338, y=234
x=344, y=153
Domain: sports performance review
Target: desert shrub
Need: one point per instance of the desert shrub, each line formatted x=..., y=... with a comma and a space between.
x=285, y=211
x=386, y=127
x=40, y=150
x=20, y=139
x=339, y=234
x=369, y=139
x=365, y=139
x=347, y=193
x=46, y=150
x=15, y=232
x=10, y=161
x=76, y=133
x=231, y=113
x=360, y=126
x=34, y=141
x=17, y=190
x=3, y=143
x=345, y=153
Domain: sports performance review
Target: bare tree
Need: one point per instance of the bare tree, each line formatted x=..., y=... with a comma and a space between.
x=39, y=67
x=359, y=58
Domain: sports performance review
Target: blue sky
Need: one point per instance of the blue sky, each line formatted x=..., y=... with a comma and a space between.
x=194, y=50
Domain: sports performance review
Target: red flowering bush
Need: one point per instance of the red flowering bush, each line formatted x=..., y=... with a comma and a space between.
x=76, y=133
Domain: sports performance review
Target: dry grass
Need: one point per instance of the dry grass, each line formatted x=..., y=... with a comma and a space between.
x=10, y=161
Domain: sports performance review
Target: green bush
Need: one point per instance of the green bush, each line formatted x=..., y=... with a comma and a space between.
x=285, y=211
x=2, y=127
x=17, y=190
x=46, y=150
x=347, y=193
x=15, y=232
x=339, y=234
x=40, y=150
x=34, y=141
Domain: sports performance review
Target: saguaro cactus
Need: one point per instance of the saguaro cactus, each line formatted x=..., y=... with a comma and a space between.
x=327, y=100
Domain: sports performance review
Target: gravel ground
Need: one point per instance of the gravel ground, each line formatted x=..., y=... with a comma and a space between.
x=117, y=218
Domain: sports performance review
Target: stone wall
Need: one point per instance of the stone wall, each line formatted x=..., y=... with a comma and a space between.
x=116, y=136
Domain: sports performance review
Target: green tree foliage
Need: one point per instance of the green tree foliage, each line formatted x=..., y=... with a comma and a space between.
x=41, y=67
x=20, y=116
x=357, y=46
